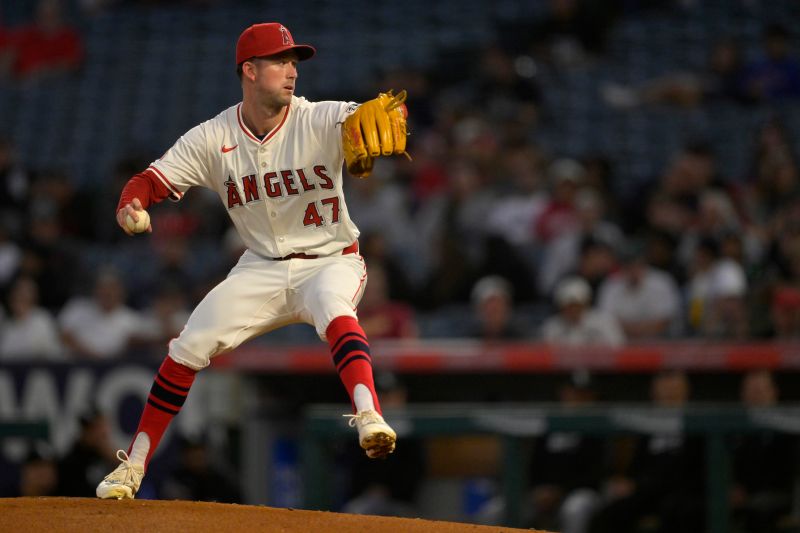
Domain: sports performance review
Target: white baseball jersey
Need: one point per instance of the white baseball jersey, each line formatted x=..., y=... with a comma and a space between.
x=283, y=193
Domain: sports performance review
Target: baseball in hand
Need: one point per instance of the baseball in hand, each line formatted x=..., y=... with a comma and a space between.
x=141, y=225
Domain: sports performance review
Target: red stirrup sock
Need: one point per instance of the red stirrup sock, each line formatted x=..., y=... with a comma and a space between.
x=350, y=351
x=170, y=388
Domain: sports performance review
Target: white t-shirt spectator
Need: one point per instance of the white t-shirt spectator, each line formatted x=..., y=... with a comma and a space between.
x=34, y=337
x=594, y=328
x=724, y=279
x=106, y=334
x=655, y=298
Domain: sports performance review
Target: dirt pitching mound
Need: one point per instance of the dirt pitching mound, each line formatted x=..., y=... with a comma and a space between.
x=88, y=515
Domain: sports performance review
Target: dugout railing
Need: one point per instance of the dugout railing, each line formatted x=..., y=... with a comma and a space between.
x=27, y=429
x=515, y=424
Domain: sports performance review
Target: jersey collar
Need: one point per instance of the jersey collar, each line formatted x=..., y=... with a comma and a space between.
x=271, y=134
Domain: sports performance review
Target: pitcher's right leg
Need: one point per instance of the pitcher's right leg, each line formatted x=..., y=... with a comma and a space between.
x=248, y=302
x=167, y=395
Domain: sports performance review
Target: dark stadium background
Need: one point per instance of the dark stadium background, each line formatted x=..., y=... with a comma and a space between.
x=682, y=153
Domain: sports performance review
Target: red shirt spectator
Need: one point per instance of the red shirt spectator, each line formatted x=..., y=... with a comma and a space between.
x=381, y=317
x=46, y=46
x=560, y=215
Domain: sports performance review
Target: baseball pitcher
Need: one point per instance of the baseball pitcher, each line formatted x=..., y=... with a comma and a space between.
x=275, y=159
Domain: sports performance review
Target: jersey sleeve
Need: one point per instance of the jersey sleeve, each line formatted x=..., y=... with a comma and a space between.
x=186, y=164
x=147, y=187
x=329, y=117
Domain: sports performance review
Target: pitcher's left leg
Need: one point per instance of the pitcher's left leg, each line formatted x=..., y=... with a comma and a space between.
x=329, y=297
x=350, y=351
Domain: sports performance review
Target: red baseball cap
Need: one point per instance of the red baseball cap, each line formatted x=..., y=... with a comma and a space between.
x=268, y=39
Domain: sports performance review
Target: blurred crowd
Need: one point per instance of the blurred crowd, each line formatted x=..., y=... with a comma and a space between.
x=483, y=234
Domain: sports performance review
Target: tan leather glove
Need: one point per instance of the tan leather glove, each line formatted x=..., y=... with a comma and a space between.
x=377, y=127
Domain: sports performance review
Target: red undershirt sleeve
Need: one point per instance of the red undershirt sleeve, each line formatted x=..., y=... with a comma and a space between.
x=146, y=187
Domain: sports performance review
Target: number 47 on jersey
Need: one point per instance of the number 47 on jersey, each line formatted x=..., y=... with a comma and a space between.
x=313, y=216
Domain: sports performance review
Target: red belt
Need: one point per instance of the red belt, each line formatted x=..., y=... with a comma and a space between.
x=352, y=249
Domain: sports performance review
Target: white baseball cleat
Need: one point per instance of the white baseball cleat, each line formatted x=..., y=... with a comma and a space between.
x=123, y=482
x=374, y=434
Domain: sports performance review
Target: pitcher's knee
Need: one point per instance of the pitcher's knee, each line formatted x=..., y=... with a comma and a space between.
x=331, y=304
x=331, y=298
x=191, y=349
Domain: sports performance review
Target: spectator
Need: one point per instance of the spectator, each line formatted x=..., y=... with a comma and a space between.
x=39, y=474
x=764, y=463
x=567, y=468
x=727, y=316
x=513, y=214
x=672, y=201
x=597, y=261
x=644, y=300
x=779, y=276
x=776, y=75
x=85, y=464
x=714, y=218
x=30, y=332
x=165, y=317
x=562, y=255
x=772, y=183
x=100, y=327
x=47, y=47
x=560, y=215
x=514, y=264
x=429, y=168
x=378, y=199
x=451, y=226
x=601, y=178
x=54, y=193
x=197, y=479
x=565, y=472
x=721, y=79
x=493, y=305
x=176, y=253
x=698, y=286
x=664, y=481
x=576, y=323
x=381, y=317
x=50, y=259
x=661, y=252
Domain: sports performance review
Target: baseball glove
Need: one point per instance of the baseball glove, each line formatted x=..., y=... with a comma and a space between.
x=377, y=127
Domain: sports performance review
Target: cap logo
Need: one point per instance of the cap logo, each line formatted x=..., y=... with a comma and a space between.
x=285, y=34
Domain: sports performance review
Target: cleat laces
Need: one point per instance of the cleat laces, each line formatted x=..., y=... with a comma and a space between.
x=364, y=417
x=127, y=473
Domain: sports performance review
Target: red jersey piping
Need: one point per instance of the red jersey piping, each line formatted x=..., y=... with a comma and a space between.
x=174, y=190
x=253, y=137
